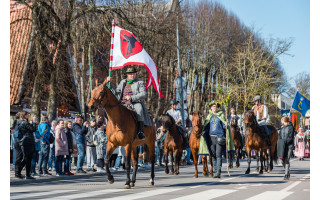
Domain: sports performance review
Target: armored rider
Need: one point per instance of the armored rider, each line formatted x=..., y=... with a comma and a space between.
x=261, y=112
x=133, y=91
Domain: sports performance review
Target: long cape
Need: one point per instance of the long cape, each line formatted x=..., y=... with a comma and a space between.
x=203, y=149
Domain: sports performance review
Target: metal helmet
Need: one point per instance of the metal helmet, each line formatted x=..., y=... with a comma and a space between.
x=256, y=98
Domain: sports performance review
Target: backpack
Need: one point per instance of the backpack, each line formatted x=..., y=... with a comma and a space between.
x=51, y=138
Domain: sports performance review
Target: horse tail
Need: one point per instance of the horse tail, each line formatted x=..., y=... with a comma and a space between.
x=275, y=154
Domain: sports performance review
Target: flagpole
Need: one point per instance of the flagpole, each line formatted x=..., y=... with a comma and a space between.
x=111, y=50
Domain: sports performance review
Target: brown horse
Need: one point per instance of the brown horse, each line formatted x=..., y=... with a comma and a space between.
x=255, y=141
x=172, y=142
x=121, y=131
x=194, y=142
x=236, y=140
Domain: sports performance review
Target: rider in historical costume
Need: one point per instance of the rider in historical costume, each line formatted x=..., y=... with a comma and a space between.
x=133, y=91
x=261, y=112
x=177, y=118
x=285, y=145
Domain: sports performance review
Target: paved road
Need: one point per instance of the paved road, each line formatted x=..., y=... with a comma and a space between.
x=184, y=186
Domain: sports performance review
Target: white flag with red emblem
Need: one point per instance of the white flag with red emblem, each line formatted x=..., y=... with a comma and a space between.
x=126, y=50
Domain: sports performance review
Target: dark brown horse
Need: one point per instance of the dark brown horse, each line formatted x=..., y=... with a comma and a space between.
x=255, y=141
x=121, y=131
x=172, y=142
x=236, y=140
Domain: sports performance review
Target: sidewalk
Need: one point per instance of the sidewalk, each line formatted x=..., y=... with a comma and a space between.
x=53, y=177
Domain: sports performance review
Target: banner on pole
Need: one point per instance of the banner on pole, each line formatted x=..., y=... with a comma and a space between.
x=126, y=50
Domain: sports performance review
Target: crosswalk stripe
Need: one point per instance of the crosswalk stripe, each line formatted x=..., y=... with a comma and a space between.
x=145, y=194
x=290, y=186
x=87, y=194
x=206, y=195
x=36, y=194
x=271, y=195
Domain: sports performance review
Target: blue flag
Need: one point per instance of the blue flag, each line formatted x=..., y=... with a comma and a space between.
x=301, y=104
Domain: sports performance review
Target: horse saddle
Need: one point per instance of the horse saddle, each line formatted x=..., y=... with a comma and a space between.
x=265, y=130
x=132, y=111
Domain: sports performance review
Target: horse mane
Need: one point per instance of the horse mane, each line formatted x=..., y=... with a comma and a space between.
x=171, y=119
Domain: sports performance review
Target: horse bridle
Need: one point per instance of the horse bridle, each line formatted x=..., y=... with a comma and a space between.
x=104, y=94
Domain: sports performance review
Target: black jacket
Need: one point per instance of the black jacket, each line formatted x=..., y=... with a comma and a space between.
x=69, y=138
x=287, y=133
x=27, y=131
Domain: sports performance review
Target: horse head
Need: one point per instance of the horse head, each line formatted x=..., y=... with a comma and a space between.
x=196, y=122
x=166, y=122
x=98, y=94
x=234, y=121
x=249, y=118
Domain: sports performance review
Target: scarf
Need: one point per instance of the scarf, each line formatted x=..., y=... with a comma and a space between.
x=131, y=81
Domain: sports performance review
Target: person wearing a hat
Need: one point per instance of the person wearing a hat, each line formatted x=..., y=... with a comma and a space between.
x=285, y=145
x=91, y=147
x=215, y=131
x=299, y=144
x=133, y=91
x=261, y=112
x=177, y=118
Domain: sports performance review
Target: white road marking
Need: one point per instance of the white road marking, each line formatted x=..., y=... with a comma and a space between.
x=87, y=194
x=206, y=195
x=146, y=194
x=195, y=186
x=33, y=194
x=276, y=195
x=291, y=186
x=242, y=187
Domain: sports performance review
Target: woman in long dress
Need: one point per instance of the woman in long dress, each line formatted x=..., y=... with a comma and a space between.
x=300, y=144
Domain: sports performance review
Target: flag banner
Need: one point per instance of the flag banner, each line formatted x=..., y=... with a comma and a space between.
x=301, y=103
x=128, y=51
x=295, y=119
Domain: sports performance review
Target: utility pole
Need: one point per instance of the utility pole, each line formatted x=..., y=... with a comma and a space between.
x=179, y=68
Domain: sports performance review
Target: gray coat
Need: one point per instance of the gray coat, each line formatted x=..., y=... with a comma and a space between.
x=101, y=147
x=139, y=94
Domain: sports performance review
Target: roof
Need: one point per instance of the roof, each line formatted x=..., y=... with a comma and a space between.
x=20, y=32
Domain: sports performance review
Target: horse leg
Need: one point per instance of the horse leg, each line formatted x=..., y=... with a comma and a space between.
x=128, y=166
x=258, y=156
x=211, y=169
x=177, y=159
x=237, y=157
x=248, y=160
x=195, y=161
x=205, y=166
x=269, y=160
x=261, y=162
x=172, y=160
x=134, y=157
x=166, y=161
x=151, y=147
x=110, y=149
x=231, y=160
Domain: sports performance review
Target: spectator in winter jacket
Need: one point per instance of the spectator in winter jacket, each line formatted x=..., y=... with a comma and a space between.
x=68, y=131
x=52, y=147
x=25, y=145
x=91, y=148
x=12, y=129
x=100, y=141
x=80, y=132
x=61, y=147
x=44, y=145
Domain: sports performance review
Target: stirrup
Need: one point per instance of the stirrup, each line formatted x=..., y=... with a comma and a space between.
x=141, y=136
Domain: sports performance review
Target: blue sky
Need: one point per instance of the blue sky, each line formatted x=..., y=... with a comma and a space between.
x=279, y=19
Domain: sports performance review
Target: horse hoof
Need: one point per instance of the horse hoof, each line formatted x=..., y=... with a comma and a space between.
x=111, y=181
x=132, y=184
x=261, y=172
x=171, y=173
x=176, y=173
x=195, y=176
x=211, y=175
x=257, y=170
x=269, y=171
x=247, y=172
x=166, y=171
x=151, y=183
x=127, y=187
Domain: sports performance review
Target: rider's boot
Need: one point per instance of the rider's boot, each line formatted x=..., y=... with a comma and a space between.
x=141, y=135
x=218, y=168
x=269, y=143
x=184, y=142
